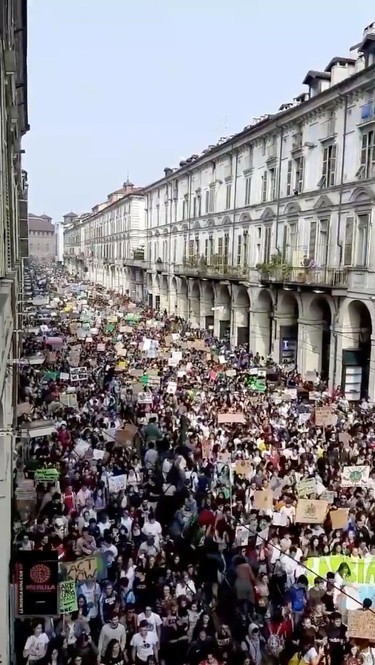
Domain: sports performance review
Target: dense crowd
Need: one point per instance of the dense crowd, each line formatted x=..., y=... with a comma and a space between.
x=209, y=506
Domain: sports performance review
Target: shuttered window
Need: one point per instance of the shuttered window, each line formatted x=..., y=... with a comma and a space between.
x=312, y=241
x=348, y=247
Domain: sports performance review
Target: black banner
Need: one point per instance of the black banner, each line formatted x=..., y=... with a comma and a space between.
x=37, y=584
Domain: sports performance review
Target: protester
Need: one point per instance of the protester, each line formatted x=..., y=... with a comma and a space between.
x=210, y=506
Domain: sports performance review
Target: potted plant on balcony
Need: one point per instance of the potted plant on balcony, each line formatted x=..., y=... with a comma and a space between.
x=275, y=268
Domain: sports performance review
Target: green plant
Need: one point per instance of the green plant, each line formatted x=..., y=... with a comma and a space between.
x=276, y=265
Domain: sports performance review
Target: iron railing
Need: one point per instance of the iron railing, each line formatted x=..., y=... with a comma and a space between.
x=310, y=276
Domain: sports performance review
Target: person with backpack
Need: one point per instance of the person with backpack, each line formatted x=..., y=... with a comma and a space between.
x=297, y=597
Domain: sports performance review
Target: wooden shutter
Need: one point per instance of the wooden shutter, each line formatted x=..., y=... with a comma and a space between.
x=332, y=166
x=289, y=178
x=348, y=246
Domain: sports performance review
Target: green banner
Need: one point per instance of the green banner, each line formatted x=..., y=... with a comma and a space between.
x=68, y=597
x=361, y=571
x=46, y=475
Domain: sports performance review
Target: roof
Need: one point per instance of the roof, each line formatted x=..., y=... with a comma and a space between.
x=339, y=61
x=71, y=214
x=313, y=74
x=40, y=224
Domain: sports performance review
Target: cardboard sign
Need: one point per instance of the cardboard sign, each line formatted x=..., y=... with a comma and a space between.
x=51, y=357
x=68, y=597
x=69, y=400
x=339, y=518
x=82, y=569
x=23, y=409
x=344, y=438
x=100, y=347
x=78, y=374
x=206, y=449
x=306, y=487
x=263, y=500
x=231, y=418
x=244, y=468
x=46, y=475
x=324, y=416
x=126, y=435
x=361, y=624
x=116, y=484
x=355, y=476
x=310, y=511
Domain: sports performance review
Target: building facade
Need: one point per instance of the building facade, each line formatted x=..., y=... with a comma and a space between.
x=107, y=245
x=13, y=252
x=266, y=238
x=42, y=242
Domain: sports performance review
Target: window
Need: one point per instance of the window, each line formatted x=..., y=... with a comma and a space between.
x=239, y=250
x=220, y=246
x=361, y=244
x=211, y=246
x=174, y=250
x=329, y=167
x=292, y=241
x=199, y=205
x=273, y=184
x=226, y=247
x=197, y=246
x=312, y=241
x=184, y=251
x=267, y=244
x=322, y=249
x=206, y=249
x=191, y=248
x=264, y=187
x=212, y=200
x=158, y=214
x=348, y=247
x=247, y=190
x=207, y=201
x=299, y=174
x=194, y=207
x=184, y=207
x=166, y=213
x=245, y=246
x=289, y=178
x=367, y=168
x=228, y=197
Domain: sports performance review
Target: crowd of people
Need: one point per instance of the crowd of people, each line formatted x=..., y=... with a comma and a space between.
x=209, y=506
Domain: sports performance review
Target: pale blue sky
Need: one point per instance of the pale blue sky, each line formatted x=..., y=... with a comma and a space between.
x=119, y=86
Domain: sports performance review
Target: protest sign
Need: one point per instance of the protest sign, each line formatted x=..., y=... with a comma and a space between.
x=361, y=624
x=206, y=449
x=231, y=418
x=339, y=518
x=263, y=500
x=23, y=409
x=116, y=484
x=46, y=475
x=126, y=435
x=68, y=597
x=81, y=569
x=355, y=476
x=306, y=487
x=324, y=416
x=243, y=467
x=69, y=400
x=310, y=511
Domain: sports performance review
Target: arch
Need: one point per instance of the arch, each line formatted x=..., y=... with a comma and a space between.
x=165, y=231
x=317, y=336
x=361, y=196
x=356, y=318
x=157, y=232
x=244, y=217
x=196, y=226
x=207, y=291
x=210, y=223
x=267, y=213
x=241, y=298
x=320, y=309
x=222, y=295
x=173, y=296
x=226, y=221
x=164, y=283
x=264, y=301
x=183, y=287
x=174, y=284
x=292, y=208
x=287, y=305
x=323, y=202
x=194, y=289
x=174, y=229
x=185, y=227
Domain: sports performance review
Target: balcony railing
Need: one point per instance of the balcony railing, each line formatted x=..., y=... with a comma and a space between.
x=211, y=269
x=367, y=112
x=328, y=277
x=134, y=262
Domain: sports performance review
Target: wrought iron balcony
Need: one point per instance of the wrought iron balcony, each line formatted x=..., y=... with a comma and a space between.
x=134, y=262
x=309, y=277
x=212, y=269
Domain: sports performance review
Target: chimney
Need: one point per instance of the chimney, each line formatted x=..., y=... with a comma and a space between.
x=128, y=187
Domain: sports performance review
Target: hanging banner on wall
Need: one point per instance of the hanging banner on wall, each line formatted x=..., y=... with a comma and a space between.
x=36, y=578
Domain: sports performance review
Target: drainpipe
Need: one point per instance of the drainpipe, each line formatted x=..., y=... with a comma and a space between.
x=234, y=204
x=279, y=189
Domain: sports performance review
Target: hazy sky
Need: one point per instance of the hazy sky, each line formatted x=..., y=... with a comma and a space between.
x=118, y=86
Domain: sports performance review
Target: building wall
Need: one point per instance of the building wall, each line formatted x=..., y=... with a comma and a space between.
x=13, y=249
x=41, y=245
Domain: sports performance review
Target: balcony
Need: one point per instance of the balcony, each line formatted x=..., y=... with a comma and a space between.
x=367, y=112
x=326, y=278
x=216, y=268
x=297, y=142
x=134, y=262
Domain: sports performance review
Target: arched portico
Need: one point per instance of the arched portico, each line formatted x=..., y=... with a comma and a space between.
x=355, y=348
x=222, y=309
x=261, y=322
x=241, y=315
x=207, y=318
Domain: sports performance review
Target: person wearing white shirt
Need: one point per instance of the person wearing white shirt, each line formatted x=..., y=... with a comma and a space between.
x=152, y=528
x=153, y=620
x=185, y=587
x=91, y=591
x=36, y=645
x=144, y=644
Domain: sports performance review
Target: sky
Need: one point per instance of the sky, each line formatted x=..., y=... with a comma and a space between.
x=120, y=87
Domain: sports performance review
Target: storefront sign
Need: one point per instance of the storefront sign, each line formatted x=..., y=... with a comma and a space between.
x=37, y=584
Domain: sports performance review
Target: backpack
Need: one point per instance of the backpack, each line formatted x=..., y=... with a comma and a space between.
x=275, y=643
x=298, y=599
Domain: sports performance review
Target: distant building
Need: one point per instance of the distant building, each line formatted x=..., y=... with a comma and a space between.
x=42, y=244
